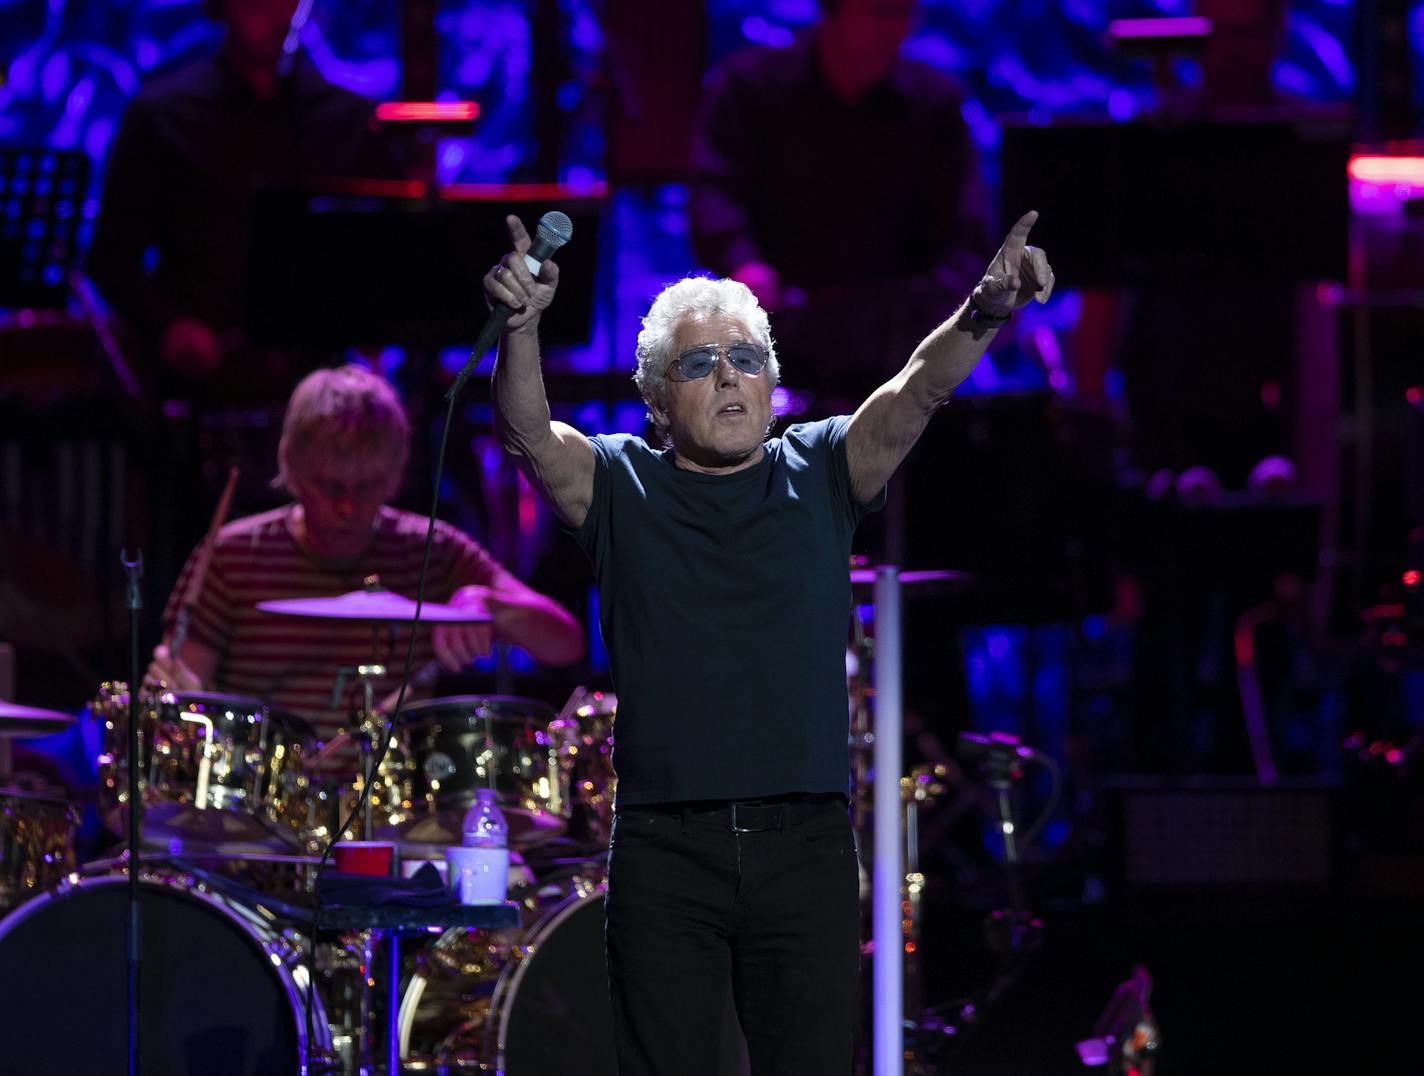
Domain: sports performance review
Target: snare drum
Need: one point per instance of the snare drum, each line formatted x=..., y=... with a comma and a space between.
x=216, y=769
x=36, y=842
x=463, y=743
x=223, y=989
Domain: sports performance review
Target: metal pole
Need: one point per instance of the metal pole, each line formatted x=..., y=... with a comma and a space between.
x=133, y=569
x=393, y=1002
x=889, y=872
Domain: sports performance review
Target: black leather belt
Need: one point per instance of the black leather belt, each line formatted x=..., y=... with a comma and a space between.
x=749, y=816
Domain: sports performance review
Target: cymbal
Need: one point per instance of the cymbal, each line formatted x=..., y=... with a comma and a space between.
x=17, y=722
x=182, y=828
x=375, y=605
x=929, y=583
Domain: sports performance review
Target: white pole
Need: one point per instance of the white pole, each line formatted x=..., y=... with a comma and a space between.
x=889, y=873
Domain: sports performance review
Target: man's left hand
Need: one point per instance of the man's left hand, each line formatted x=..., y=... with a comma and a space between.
x=456, y=645
x=1017, y=274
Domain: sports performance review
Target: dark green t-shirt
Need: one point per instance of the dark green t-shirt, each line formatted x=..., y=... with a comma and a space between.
x=724, y=605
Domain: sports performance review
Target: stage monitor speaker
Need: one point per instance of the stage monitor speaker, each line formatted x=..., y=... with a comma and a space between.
x=1220, y=831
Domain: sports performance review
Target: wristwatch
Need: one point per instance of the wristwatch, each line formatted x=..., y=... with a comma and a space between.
x=979, y=316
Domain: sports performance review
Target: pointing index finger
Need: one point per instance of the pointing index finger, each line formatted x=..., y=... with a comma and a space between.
x=1018, y=234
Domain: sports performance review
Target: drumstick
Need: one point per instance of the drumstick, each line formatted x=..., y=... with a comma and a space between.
x=199, y=575
x=574, y=702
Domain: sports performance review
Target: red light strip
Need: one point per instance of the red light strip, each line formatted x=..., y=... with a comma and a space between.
x=427, y=111
x=545, y=192
x=1374, y=168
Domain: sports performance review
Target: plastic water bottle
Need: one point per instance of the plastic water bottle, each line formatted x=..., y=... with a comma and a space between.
x=479, y=868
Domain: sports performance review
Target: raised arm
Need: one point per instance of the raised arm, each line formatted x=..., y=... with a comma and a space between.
x=887, y=425
x=555, y=458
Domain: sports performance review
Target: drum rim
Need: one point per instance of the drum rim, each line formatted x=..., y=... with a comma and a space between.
x=224, y=907
x=532, y=707
x=506, y=987
x=506, y=984
x=248, y=701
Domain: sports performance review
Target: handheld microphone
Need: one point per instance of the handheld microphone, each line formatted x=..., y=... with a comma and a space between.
x=554, y=230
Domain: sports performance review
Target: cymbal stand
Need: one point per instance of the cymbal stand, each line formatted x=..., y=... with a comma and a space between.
x=369, y=725
x=922, y=787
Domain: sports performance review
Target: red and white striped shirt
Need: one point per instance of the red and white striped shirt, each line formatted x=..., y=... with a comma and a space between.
x=291, y=662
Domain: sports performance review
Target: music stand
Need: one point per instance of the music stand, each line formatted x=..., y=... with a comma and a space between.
x=1189, y=203
x=337, y=269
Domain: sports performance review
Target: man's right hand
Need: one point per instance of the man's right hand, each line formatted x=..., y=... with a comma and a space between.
x=191, y=348
x=510, y=282
x=169, y=672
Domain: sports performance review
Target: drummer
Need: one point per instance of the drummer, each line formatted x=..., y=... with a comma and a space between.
x=343, y=449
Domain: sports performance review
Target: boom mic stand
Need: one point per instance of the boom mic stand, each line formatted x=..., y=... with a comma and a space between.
x=1013, y=933
x=133, y=569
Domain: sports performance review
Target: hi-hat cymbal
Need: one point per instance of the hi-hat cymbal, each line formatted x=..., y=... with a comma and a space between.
x=17, y=722
x=375, y=605
x=928, y=583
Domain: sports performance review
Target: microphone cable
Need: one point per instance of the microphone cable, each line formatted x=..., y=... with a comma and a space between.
x=553, y=231
x=387, y=734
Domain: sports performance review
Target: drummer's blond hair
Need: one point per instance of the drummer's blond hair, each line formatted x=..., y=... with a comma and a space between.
x=342, y=413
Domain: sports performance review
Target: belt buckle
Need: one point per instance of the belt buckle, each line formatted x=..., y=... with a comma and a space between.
x=739, y=829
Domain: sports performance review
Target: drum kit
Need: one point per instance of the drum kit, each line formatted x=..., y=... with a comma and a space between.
x=239, y=799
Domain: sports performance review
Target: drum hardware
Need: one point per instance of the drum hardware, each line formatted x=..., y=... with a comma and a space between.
x=460, y=743
x=391, y=924
x=218, y=771
x=378, y=607
x=1012, y=933
x=370, y=726
x=583, y=734
x=924, y=584
x=133, y=935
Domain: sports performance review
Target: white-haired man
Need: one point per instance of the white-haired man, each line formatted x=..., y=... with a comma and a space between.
x=721, y=562
x=343, y=449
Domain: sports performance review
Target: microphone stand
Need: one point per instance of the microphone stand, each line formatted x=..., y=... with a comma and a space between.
x=1013, y=933
x=133, y=569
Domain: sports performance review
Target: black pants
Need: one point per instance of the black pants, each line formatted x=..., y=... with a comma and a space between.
x=770, y=907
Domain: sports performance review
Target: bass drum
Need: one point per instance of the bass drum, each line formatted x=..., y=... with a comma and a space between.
x=528, y=1002
x=221, y=992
